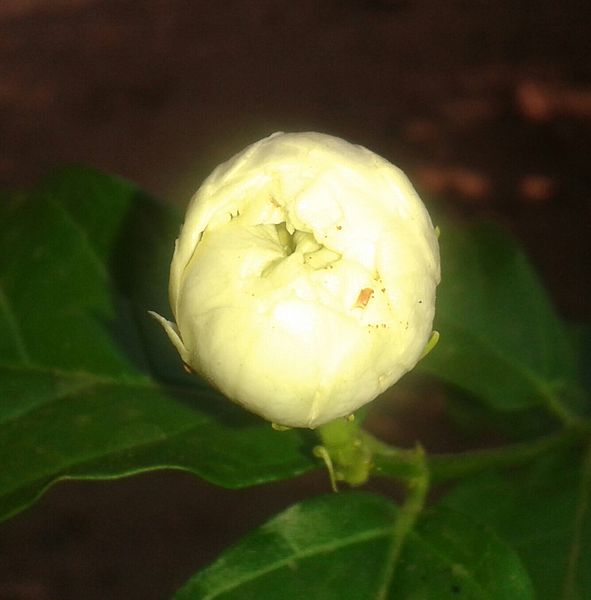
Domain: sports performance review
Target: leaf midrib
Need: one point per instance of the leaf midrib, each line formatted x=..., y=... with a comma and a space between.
x=89, y=381
x=90, y=458
x=84, y=239
x=40, y=484
x=332, y=546
x=358, y=538
x=14, y=326
x=582, y=515
x=418, y=538
x=538, y=383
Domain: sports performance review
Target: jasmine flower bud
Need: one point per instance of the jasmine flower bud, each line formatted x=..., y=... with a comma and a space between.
x=303, y=279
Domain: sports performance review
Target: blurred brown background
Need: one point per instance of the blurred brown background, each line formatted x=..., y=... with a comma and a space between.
x=486, y=105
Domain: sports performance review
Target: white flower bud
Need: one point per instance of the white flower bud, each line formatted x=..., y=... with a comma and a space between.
x=303, y=280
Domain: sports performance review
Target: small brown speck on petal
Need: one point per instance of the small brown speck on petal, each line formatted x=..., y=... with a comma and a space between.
x=364, y=297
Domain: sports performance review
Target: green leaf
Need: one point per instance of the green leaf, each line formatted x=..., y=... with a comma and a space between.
x=500, y=338
x=89, y=385
x=334, y=547
x=544, y=513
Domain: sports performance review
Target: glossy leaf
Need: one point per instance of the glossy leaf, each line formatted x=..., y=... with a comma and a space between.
x=89, y=386
x=333, y=547
x=500, y=338
x=545, y=514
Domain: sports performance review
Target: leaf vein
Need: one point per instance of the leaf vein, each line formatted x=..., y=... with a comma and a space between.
x=359, y=538
x=582, y=512
x=430, y=548
x=14, y=327
x=84, y=238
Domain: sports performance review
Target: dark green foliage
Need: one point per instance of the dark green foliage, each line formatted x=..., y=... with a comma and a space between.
x=91, y=388
x=89, y=385
x=333, y=547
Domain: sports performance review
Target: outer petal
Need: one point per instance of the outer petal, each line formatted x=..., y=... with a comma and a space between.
x=303, y=281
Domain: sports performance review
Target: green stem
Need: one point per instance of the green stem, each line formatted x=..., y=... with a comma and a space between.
x=397, y=463
x=343, y=451
x=583, y=506
x=352, y=454
x=447, y=467
x=417, y=489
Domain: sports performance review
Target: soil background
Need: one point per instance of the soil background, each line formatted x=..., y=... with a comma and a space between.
x=486, y=106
